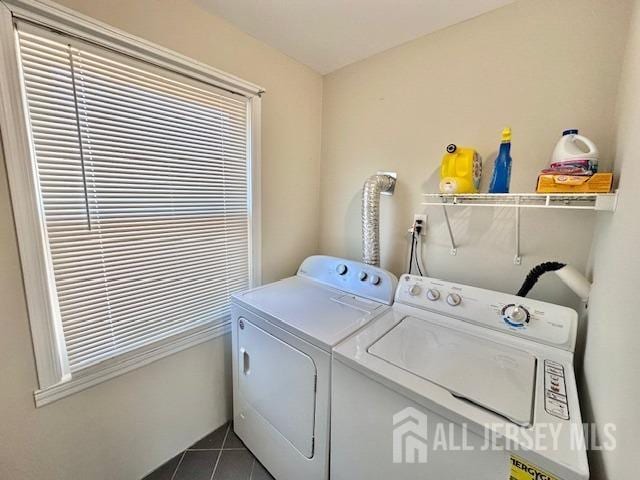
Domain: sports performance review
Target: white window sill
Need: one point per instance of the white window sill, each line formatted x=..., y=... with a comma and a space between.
x=128, y=362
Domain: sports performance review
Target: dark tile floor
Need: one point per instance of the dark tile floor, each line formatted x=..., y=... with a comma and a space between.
x=221, y=455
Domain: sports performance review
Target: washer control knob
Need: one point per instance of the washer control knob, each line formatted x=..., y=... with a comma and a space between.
x=342, y=269
x=454, y=299
x=362, y=276
x=433, y=294
x=415, y=290
x=375, y=280
x=515, y=315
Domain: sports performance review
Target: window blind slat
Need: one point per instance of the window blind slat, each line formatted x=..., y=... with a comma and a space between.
x=142, y=303
x=151, y=84
x=130, y=291
x=100, y=89
x=137, y=320
x=121, y=243
x=112, y=112
x=194, y=171
x=125, y=259
x=143, y=180
x=137, y=71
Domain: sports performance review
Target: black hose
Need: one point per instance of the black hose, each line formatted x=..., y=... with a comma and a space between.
x=413, y=244
x=535, y=273
x=417, y=252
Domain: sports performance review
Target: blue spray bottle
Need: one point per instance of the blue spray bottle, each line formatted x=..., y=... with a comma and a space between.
x=502, y=167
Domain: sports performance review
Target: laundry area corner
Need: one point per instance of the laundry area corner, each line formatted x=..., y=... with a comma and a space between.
x=338, y=240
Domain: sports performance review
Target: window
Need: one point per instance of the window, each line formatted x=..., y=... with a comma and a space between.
x=143, y=188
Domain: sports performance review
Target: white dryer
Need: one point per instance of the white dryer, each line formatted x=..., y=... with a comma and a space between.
x=283, y=335
x=456, y=382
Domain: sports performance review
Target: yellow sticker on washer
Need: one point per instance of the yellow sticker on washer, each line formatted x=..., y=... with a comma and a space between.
x=523, y=470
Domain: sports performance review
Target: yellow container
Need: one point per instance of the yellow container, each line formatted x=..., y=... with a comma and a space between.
x=460, y=171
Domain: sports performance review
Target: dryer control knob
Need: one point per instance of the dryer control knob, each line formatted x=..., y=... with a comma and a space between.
x=415, y=290
x=341, y=269
x=454, y=299
x=515, y=315
x=374, y=280
x=362, y=276
x=433, y=294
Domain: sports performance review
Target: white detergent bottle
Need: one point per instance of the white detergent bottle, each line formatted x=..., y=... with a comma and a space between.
x=575, y=151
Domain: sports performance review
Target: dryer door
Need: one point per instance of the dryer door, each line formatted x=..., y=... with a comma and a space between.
x=279, y=382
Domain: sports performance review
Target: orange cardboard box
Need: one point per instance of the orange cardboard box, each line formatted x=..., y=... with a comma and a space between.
x=597, y=183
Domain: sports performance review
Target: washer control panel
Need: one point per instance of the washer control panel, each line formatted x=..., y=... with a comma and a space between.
x=433, y=294
x=516, y=315
x=352, y=277
x=555, y=390
x=539, y=321
x=454, y=299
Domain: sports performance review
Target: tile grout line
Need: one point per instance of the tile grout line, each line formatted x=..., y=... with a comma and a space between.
x=226, y=435
x=178, y=465
x=214, y=449
x=215, y=467
x=253, y=467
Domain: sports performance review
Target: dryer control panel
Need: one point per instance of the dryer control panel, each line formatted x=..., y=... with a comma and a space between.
x=539, y=321
x=352, y=277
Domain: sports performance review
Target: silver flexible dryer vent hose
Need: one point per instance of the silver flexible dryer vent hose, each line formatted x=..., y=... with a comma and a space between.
x=373, y=187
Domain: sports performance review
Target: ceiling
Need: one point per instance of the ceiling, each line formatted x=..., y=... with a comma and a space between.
x=329, y=34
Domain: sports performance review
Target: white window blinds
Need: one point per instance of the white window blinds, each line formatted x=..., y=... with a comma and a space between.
x=143, y=179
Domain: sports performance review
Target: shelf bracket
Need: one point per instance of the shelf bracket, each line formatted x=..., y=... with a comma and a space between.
x=454, y=248
x=599, y=202
x=517, y=259
x=606, y=203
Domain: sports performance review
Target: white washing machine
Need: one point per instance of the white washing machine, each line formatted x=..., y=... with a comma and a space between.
x=456, y=382
x=283, y=334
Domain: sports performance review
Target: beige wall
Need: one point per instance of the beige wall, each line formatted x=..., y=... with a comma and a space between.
x=612, y=357
x=123, y=428
x=539, y=66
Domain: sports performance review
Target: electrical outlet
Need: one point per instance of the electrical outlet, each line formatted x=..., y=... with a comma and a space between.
x=420, y=217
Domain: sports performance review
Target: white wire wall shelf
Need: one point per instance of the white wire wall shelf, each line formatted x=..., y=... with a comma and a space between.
x=603, y=202
x=575, y=201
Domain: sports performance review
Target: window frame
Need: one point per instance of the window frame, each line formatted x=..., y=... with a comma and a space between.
x=54, y=377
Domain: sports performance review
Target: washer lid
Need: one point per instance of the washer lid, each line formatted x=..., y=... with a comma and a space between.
x=489, y=374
